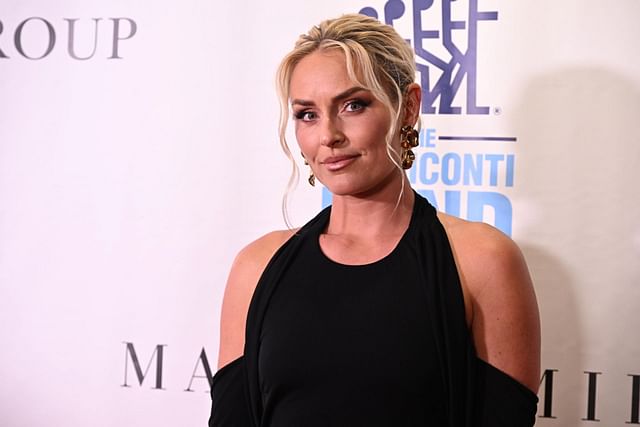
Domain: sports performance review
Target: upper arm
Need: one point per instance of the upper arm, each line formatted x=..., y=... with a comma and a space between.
x=243, y=278
x=505, y=322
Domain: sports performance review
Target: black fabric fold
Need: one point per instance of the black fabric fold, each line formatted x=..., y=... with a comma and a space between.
x=229, y=404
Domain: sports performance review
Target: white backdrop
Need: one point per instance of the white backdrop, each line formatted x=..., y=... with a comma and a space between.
x=129, y=180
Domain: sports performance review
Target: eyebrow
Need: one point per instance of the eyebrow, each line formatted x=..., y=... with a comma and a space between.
x=339, y=97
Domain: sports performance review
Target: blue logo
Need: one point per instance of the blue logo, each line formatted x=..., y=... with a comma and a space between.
x=469, y=175
x=441, y=76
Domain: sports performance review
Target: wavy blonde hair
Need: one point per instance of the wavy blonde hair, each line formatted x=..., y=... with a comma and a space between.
x=377, y=59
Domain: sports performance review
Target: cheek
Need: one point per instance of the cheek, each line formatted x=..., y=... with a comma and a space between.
x=371, y=132
x=302, y=138
x=376, y=139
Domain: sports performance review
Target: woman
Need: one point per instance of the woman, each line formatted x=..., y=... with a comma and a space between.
x=379, y=311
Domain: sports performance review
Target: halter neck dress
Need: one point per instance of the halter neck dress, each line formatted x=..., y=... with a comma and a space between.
x=380, y=344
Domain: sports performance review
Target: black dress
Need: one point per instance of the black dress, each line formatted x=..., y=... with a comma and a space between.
x=382, y=344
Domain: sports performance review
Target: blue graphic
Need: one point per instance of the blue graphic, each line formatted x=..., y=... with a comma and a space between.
x=477, y=201
x=462, y=175
x=479, y=169
x=462, y=62
x=469, y=179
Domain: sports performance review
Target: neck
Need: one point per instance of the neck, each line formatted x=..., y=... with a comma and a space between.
x=385, y=212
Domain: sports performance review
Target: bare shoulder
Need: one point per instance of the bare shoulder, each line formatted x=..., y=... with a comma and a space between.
x=243, y=278
x=481, y=251
x=499, y=297
x=257, y=254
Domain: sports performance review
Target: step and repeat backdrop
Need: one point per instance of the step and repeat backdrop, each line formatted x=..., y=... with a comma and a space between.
x=139, y=153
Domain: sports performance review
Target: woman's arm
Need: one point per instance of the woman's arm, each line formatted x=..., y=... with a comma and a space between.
x=243, y=278
x=500, y=301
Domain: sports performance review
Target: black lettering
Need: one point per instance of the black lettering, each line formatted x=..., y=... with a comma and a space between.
x=591, y=398
x=158, y=354
x=133, y=28
x=2, y=55
x=207, y=370
x=635, y=400
x=547, y=377
x=18, y=38
x=72, y=39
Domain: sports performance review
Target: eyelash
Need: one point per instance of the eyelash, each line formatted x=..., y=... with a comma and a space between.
x=361, y=103
x=300, y=115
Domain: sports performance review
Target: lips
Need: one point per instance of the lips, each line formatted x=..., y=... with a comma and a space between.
x=335, y=163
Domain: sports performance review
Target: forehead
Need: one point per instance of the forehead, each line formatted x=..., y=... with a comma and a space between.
x=320, y=71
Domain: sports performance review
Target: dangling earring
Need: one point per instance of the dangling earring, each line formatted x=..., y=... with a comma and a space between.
x=312, y=177
x=408, y=140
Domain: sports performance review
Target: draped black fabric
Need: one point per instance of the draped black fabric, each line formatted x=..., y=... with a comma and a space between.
x=475, y=393
x=230, y=402
x=350, y=344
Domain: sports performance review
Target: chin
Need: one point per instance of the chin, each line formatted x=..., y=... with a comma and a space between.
x=350, y=189
x=361, y=187
x=341, y=189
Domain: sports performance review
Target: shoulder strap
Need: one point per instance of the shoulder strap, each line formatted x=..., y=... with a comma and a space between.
x=445, y=304
x=477, y=393
x=265, y=288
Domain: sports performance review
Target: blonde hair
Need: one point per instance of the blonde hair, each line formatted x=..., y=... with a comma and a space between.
x=377, y=59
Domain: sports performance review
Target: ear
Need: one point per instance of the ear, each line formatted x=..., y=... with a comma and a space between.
x=412, y=104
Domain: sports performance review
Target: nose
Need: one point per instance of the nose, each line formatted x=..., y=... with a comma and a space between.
x=331, y=133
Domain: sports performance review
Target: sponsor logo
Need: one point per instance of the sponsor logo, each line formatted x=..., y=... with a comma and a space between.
x=155, y=371
x=464, y=173
x=36, y=38
x=446, y=56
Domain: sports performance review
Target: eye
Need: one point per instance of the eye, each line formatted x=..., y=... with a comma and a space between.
x=355, y=105
x=305, y=115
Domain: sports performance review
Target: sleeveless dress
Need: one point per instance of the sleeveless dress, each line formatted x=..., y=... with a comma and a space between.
x=381, y=344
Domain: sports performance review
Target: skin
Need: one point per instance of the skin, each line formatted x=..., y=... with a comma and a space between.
x=340, y=129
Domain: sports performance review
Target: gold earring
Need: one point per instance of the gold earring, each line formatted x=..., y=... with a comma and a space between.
x=408, y=140
x=312, y=177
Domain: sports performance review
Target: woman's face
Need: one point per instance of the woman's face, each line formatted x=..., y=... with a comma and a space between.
x=340, y=127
